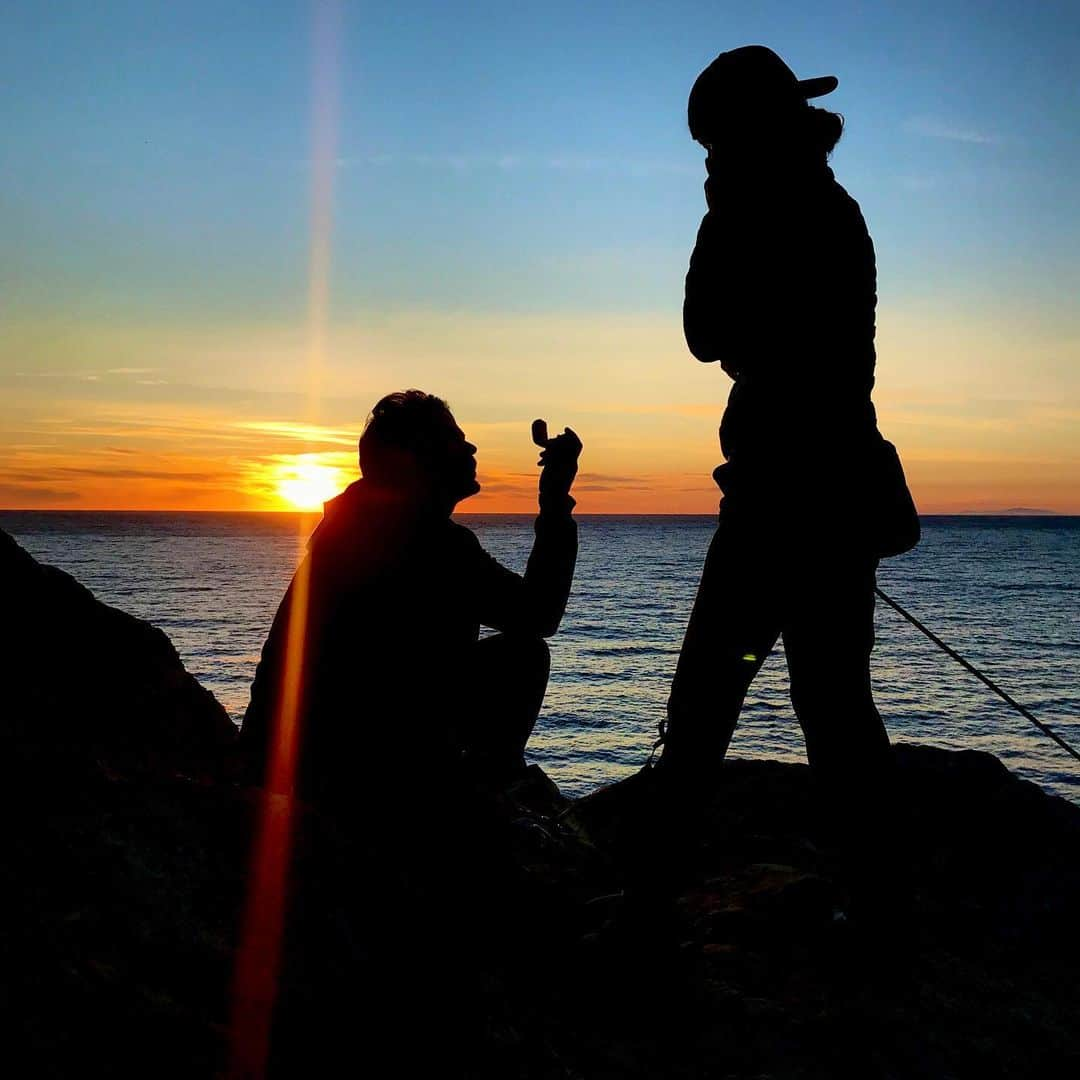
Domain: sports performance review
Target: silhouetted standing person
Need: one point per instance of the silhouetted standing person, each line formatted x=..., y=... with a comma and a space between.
x=781, y=293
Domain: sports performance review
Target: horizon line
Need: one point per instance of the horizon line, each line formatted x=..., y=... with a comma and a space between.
x=1005, y=512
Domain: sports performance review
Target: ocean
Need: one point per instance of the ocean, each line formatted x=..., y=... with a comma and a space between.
x=1002, y=591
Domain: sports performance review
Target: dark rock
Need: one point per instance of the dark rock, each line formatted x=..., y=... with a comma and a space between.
x=86, y=686
x=945, y=951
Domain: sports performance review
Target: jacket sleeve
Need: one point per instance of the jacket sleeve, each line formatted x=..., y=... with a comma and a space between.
x=259, y=729
x=721, y=299
x=534, y=603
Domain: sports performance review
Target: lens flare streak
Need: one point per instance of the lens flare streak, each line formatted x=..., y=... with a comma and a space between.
x=259, y=953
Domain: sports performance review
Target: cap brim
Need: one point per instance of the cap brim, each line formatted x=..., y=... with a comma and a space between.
x=818, y=87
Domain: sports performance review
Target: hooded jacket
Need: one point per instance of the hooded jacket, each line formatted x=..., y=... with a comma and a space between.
x=391, y=600
x=781, y=291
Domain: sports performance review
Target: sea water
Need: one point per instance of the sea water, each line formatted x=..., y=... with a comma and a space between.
x=1003, y=591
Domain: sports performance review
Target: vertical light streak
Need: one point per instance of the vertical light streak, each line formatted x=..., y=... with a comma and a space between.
x=324, y=148
x=259, y=950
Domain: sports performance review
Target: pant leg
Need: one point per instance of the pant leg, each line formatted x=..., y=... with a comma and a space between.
x=508, y=681
x=733, y=626
x=828, y=637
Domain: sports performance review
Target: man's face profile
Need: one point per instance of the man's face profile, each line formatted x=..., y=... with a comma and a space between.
x=456, y=462
x=441, y=467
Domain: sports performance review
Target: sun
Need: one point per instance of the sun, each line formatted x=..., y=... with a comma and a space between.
x=306, y=485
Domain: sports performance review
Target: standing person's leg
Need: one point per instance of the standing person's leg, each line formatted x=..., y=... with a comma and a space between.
x=733, y=626
x=507, y=686
x=828, y=638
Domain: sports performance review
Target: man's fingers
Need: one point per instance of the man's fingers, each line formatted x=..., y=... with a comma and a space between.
x=566, y=445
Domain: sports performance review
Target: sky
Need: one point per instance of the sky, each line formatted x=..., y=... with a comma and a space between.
x=228, y=229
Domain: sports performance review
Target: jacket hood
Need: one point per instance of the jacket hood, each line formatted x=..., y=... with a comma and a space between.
x=362, y=503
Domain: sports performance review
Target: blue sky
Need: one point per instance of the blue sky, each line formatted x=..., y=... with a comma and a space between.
x=525, y=160
x=156, y=153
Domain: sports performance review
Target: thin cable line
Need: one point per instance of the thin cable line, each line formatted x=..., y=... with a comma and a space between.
x=978, y=674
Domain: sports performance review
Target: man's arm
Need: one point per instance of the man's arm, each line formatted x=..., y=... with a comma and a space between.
x=534, y=604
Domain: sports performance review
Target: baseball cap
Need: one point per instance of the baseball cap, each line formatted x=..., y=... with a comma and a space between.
x=751, y=78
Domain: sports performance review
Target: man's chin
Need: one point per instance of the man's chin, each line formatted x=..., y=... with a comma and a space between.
x=467, y=489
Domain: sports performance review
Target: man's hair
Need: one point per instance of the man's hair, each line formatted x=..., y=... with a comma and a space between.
x=408, y=420
x=821, y=129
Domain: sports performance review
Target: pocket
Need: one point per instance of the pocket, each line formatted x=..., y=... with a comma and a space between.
x=894, y=521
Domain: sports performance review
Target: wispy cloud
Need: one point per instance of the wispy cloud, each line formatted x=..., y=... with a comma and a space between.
x=307, y=433
x=934, y=128
x=466, y=162
x=81, y=375
x=16, y=495
x=918, y=182
x=105, y=473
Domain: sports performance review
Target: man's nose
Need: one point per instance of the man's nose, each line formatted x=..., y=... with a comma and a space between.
x=470, y=448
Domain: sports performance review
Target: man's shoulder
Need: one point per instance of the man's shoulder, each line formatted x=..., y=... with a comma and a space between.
x=462, y=538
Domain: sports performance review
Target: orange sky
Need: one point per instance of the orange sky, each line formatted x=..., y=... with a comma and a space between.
x=203, y=323
x=170, y=417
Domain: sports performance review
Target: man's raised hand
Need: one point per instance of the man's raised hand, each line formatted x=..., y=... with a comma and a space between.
x=558, y=459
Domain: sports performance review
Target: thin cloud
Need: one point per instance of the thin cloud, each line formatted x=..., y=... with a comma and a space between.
x=705, y=408
x=82, y=375
x=30, y=490
x=611, y=487
x=307, y=433
x=452, y=162
x=509, y=162
x=939, y=129
x=915, y=182
x=525, y=483
x=607, y=478
x=142, y=474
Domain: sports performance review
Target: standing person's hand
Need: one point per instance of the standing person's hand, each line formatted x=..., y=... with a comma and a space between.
x=559, y=462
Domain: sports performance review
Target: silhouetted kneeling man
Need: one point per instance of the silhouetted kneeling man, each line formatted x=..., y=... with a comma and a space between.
x=375, y=650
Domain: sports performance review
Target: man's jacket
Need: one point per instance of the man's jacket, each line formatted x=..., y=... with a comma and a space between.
x=390, y=602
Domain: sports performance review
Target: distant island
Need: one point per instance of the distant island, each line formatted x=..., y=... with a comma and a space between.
x=1024, y=511
x=995, y=512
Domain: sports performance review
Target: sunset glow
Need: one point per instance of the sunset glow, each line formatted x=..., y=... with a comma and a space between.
x=511, y=235
x=306, y=485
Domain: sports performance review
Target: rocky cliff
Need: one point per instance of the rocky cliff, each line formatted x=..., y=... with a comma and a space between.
x=86, y=685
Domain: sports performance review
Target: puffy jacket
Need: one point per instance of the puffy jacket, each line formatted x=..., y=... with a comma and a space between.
x=394, y=602
x=781, y=291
